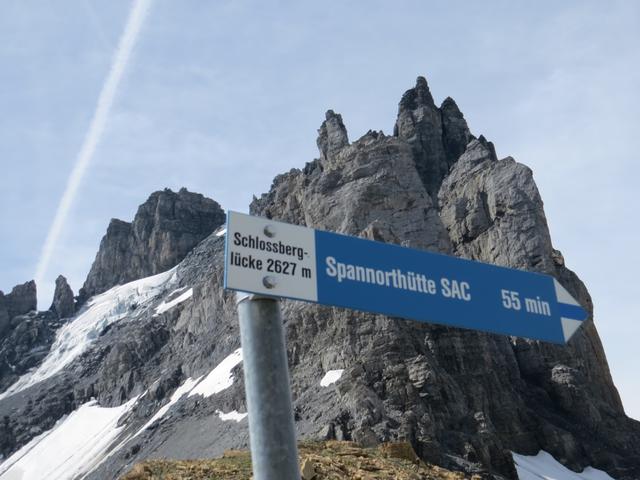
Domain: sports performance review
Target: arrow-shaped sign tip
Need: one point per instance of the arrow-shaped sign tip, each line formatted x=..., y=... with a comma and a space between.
x=572, y=313
x=569, y=327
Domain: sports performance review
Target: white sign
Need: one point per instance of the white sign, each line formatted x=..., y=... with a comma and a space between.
x=274, y=258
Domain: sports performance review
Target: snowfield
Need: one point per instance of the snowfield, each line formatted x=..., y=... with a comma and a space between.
x=164, y=306
x=74, y=338
x=544, y=467
x=220, y=377
x=78, y=443
x=180, y=392
x=71, y=448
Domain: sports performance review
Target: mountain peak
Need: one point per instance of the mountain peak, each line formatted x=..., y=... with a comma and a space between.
x=420, y=95
x=438, y=136
x=165, y=228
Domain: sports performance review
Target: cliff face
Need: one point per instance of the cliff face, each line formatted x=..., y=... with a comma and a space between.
x=463, y=399
x=165, y=228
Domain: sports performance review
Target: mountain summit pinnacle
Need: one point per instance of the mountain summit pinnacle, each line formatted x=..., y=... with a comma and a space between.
x=438, y=136
x=332, y=135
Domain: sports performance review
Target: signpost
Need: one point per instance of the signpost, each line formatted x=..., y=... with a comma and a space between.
x=271, y=260
x=283, y=260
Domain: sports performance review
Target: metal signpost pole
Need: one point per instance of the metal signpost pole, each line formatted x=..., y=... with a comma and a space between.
x=272, y=435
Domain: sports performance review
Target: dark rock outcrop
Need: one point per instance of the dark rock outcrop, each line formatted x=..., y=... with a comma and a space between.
x=455, y=132
x=22, y=299
x=25, y=334
x=437, y=135
x=25, y=344
x=63, y=301
x=165, y=228
x=5, y=320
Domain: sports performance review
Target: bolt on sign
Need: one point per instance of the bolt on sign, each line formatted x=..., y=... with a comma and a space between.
x=277, y=259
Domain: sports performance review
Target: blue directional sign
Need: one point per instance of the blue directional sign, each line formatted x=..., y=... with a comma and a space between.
x=283, y=260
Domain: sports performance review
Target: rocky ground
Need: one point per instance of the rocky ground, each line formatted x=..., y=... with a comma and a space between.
x=331, y=460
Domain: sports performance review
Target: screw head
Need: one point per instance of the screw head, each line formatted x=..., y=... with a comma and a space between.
x=269, y=282
x=269, y=231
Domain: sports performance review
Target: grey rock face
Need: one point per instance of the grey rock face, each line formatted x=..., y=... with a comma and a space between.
x=369, y=188
x=63, y=302
x=166, y=227
x=477, y=202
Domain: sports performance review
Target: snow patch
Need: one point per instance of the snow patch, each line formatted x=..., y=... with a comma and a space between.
x=182, y=390
x=220, y=378
x=221, y=231
x=74, y=338
x=71, y=448
x=217, y=380
x=544, y=466
x=164, y=306
x=232, y=415
x=332, y=376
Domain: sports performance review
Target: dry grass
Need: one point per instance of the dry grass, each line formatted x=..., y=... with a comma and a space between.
x=329, y=460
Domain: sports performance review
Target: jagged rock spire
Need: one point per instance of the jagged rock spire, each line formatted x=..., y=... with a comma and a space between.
x=332, y=135
x=438, y=136
x=418, y=96
x=455, y=132
x=63, y=302
x=489, y=146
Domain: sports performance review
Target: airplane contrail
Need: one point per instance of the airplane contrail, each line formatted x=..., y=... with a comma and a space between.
x=107, y=95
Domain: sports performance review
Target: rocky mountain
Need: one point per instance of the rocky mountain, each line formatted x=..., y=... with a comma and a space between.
x=152, y=368
x=166, y=227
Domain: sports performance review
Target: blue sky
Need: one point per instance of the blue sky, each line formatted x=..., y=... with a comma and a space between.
x=221, y=96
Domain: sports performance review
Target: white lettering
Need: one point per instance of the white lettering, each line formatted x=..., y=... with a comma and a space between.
x=331, y=266
x=455, y=289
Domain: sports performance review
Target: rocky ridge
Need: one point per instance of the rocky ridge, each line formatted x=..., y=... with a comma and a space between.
x=462, y=399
